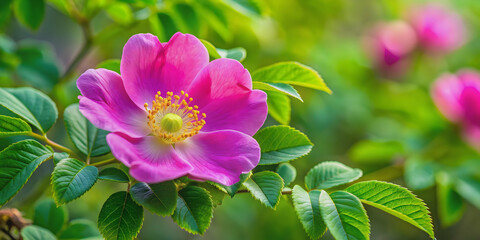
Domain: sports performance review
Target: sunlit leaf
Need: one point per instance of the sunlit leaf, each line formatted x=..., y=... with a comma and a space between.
x=279, y=106
x=10, y=126
x=278, y=87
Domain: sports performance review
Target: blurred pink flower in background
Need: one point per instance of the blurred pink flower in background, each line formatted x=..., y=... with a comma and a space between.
x=457, y=96
x=389, y=44
x=439, y=29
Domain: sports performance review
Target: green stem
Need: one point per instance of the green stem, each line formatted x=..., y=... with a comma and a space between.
x=52, y=143
x=104, y=162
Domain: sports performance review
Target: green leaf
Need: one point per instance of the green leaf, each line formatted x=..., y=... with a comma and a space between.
x=17, y=163
x=5, y=11
x=419, y=174
x=58, y=156
x=10, y=126
x=237, y=53
x=38, y=65
x=251, y=6
x=212, y=51
x=231, y=190
x=194, y=210
x=113, y=174
x=212, y=13
x=307, y=207
x=217, y=194
x=30, y=13
x=159, y=198
x=344, y=216
x=90, y=140
x=396, y=200
x=279, y=107
x=80, y=229
x=186, y=18
x=36, y=233
x=120, y=217
x=278, y=87
x=330, y=174
x=450, y=204
x=291, y=73
x=49, y=216
x=31, y=105
x=373, y=152
x=71, y=178
x=281, y=144
x=120, y=13
x=265, y=186
x=287, y=172
x=110, y=64
x=469, y=189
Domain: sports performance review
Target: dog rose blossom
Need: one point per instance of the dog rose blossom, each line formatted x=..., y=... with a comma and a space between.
x=172, y=113
x=458, y=98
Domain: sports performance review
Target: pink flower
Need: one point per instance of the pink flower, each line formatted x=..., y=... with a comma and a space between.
x=439, y=29
x=458, y=98
x=389, y=44
x=171, y=113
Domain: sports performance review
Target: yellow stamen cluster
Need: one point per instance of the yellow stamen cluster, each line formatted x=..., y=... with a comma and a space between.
x=192, y=119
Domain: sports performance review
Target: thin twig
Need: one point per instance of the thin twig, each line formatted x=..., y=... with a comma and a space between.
x=104, y=162
x=52, y=143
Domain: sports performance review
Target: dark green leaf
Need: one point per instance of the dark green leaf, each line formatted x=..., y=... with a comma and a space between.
x=281, y=144
x=287, y=172
x=113, y=174
x=49, y=216
x=80, y=229
x=5, y=11
x=120, y=217
x=10, y=126
x=278, y=87
x=194, y=209
x=396, y=200
x=186, y=18
x=58, y=156
x=33, y=232
x=90, y=140
x=291, y=73
x=17, y=163
x=71, y=178
x=344, y=216
x=450, y=204
x=159, y=198
x=469, y=189
x=31, y=105
x=110, y=64
x=231, y=190
x=265, y=186
x=30, y=13
x=330, y=174
x=307, y=206
x=212, y=13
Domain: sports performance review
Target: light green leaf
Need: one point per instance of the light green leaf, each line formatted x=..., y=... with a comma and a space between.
x=80, y=229
x=330, y=174
x=231, y=190
x=120, y=13
x=17, y=163
x=281, y=144
x=159, y=198
x=90, y=140
x=212, y=13
x=450, y=204
x=212, y=51
x=279, y=107
x=291, y=73
x=31, y=105
x=374, y=152
x=238, y=53
x=251, y=6
x=10, y=126
x=396, y=200
x=71, y=178
x=307, y=207
x=30, y=13
x=120, y=217
x=110, y=64
x=469, y=189
x=287, y=172
x=49, y=216
x=419, y=174
x=278, y=87
x=33, y=232
x=113, y=174
x=344, y=216
x=265, y=186
x=194, y=210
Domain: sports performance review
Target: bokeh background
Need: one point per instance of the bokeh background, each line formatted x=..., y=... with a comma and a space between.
x=380, y=118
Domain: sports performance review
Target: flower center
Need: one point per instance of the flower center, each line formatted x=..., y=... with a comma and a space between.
x=172, y=119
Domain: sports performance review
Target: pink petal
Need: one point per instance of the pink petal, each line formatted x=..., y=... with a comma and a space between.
x=150, y=160
x=223, y=91
x=471, y=134
x=106, y=104
x=148, y=67
x=220, y=156
x=470, y=101
x=446, y=93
